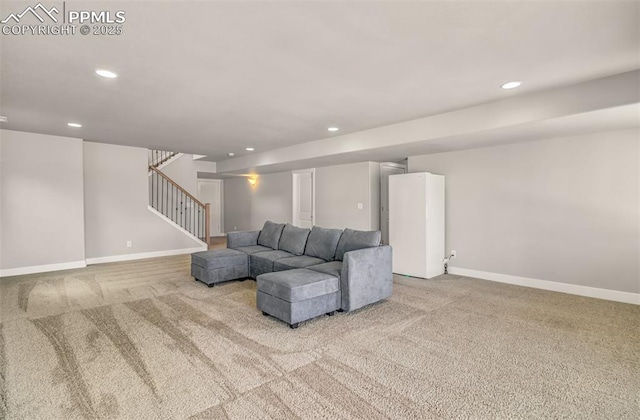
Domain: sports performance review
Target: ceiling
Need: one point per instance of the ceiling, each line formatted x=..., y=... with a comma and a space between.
x=215, y=77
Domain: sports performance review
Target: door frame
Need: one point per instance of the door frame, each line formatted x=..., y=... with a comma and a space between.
x=295, y=176
x=220, y=182
x=387, y=165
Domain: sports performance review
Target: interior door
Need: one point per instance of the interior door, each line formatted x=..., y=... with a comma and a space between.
x=210, y=191
x=303, y=198
x=385, y=171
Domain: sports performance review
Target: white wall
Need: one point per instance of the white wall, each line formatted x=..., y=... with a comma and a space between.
x=339, y=189
x=562, y=210
x=41, y=202
x=116, y=200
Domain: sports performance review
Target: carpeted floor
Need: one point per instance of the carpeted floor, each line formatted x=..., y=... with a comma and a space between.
x=141, y=339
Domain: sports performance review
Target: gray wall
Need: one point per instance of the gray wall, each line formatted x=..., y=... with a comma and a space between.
x=374, y=196
x=339, y=189
x=41, y=200
x=116, y=200
x=247, y=207
x=563, y=210
x=184, y=172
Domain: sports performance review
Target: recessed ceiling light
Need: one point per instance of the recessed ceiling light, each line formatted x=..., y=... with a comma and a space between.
x=74, y=125
x=249, y=149
x=106, y=73
x=231, y=154
x=333, y=129
x=511, y=85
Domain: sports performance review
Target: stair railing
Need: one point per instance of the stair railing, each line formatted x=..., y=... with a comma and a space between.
x=176, y=203
x=158, y=157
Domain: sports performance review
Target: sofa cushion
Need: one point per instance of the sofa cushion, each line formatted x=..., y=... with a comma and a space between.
x=219, y=258
x=253, y=249
x=352, y=240
x=301, y=261
x=293, y=239
x=297, y=285
x=265, y=260
x=322, y=243
x=334, y=268
x=270, y=234
x=245, y=238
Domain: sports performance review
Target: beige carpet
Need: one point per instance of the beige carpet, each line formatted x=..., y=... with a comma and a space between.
x=143, y=340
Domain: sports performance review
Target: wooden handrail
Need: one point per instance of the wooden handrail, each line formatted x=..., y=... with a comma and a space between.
x=175, y=184
x=165, y=159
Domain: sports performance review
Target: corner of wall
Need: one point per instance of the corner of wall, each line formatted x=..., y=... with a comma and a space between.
x=374, y=196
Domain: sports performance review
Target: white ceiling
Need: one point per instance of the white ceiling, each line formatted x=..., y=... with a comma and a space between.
x=215, y=77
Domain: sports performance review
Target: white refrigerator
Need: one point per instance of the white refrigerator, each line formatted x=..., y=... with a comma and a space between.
x=416, y=224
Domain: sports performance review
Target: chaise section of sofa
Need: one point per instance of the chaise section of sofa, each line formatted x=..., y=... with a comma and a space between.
x=354, y=257
x=366, y=277
x=363, y=268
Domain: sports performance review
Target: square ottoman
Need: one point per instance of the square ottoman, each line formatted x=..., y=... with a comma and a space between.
x=297, y=295
x=219, y=265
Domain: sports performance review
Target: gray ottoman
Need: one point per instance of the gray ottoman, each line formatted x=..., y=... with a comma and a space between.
x=219, y=265
x=294, y=296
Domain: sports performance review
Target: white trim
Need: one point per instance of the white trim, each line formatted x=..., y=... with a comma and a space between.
x=572, y=289
x=222, y=226
x=42, y=268
x=394, y=165
x=296, y=200
x=177, y=226
x=144, y=255
x=384, y=166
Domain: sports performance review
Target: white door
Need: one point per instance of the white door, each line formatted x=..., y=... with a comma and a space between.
x=385, y=171
x=210, y=191
x=303, y=198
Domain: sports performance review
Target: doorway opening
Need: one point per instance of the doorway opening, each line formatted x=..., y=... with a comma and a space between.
x=304, y=198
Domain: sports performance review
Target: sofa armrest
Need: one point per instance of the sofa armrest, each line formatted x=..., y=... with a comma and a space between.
x=246, y=238
x=366, y=277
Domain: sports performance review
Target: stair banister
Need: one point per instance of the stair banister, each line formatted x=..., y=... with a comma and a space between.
x=181, y=216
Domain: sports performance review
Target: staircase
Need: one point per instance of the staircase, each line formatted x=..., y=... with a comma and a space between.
x=173, y=201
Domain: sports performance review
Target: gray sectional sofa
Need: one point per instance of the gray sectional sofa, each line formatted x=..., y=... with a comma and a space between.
x=303, y=273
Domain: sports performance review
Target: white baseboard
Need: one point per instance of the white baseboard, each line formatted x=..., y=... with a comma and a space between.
x=572, y=289
x=144, y=255
x=42, y=268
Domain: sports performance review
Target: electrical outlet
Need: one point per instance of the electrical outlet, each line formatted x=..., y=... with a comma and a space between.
x=453, y=254
x=360, y=206
x=235, y=228
x=129, y=244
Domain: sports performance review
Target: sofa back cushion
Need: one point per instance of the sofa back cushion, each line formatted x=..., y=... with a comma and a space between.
x=270, y=234
x=322, y=243
x=352, y=240
x=293, y=239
